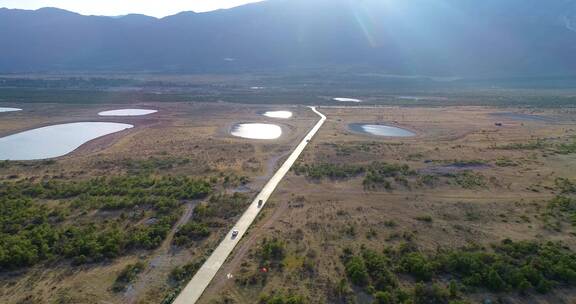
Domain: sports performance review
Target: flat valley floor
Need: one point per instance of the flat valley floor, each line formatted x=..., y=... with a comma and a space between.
x=468, y=179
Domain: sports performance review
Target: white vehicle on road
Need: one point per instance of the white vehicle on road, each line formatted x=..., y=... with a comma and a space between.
x=234, y=233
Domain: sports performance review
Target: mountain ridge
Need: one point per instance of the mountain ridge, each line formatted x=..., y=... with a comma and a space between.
x=451, y=37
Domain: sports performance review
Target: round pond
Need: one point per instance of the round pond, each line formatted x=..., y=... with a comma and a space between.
x=380, y=130
x=256, y=131
x=278, y=114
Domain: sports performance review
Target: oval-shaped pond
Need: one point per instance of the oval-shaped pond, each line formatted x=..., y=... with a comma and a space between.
x=256, y=131
x=127, y=112
x=54, y=141
x=9, y=109
x=380, y=130
x=522, y=116
x=278, y=114
x=344, y=99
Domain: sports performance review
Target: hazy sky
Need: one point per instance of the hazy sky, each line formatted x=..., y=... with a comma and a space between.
x=157, y=8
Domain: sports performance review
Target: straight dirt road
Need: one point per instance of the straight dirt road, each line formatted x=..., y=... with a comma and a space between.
x=192, y=292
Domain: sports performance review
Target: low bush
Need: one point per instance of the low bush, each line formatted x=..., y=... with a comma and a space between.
x=127, y=275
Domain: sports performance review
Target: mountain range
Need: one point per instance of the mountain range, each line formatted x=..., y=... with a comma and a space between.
x=406, y=37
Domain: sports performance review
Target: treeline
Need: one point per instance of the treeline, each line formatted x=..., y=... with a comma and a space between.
x=384, y=176
x=68, y=82
x=121, y=186
x=31, y=232
x=380, y=174
x=331, y=171
x=511, y=267
x=562, y=148
x=376, y=175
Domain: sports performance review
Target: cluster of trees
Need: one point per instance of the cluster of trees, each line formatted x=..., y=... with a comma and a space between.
x=31, y=232
x=43, y=240
x=379, y=174
x=179, y=276
x=563, y=148
x=331, y=171
x=191, y=232
x=271, y=250
x=565, y=186
x=4, y=164
x=469, y=180
x=534, y=145
x=568, y=148
x=221, y=207
x=281, y=298
x=134, y=187
x=563, y=208
x=511, y=266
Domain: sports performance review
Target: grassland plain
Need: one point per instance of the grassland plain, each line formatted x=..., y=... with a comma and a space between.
x=126, y=218
x=497, y=198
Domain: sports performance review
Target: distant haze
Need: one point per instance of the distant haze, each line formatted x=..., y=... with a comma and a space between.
x=154, y=8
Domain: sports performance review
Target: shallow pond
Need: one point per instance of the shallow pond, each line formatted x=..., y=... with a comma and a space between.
x=9, y=109
x=278, y=114
x=523, y=117
x=380, y=130
x=256, y=131
x=127, y=112
x=343, y=99
x=54, y=141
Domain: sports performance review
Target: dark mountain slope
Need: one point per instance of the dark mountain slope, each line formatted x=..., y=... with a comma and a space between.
x=440, y=37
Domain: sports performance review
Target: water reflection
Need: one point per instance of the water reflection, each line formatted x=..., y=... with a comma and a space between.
x=278, y=114
x=380, y=130
x=54, y=141
x=127, y=112
x=256, y=131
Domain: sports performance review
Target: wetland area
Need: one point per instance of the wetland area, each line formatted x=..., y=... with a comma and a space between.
x=399, y=181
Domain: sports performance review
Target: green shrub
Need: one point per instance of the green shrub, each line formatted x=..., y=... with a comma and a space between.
x=425, y=218
x=418, y=266
x=127, y=275
x=191, y=232
x=185, y=273
x=470, y=180
x=272, y=250
x=282, y=299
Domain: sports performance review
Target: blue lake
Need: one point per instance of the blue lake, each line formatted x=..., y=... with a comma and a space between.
x=54, y=141
x=380, y=130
